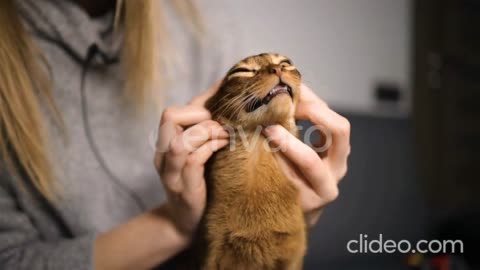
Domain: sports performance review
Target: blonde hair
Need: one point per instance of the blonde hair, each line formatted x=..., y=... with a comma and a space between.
x=25, y=85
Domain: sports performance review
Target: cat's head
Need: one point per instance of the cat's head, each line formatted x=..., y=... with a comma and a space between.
x=259, y=90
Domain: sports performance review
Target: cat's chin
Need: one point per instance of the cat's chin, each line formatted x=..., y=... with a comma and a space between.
x=280, y=100
x=279, y=110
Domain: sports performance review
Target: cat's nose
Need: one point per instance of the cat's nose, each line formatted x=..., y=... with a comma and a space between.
x=276, y=70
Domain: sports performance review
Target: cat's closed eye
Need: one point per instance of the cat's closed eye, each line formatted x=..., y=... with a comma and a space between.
x=240, y=69
x=241, y=72
x=285, y=63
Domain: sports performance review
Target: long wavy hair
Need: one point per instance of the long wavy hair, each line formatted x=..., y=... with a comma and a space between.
x=25, y=85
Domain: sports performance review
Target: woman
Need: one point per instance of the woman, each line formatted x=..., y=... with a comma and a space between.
x=77, y=186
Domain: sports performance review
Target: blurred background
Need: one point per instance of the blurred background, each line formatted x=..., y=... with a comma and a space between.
x=406, y=75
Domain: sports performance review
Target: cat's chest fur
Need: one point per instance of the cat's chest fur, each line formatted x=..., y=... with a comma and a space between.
x=253, y=209
x=247, y=182
x=253, y=218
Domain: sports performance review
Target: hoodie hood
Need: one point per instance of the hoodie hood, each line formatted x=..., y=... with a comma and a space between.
x=64, y=23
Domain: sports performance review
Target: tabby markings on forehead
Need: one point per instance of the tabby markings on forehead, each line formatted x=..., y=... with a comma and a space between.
x=250, y=65
x=276, y=59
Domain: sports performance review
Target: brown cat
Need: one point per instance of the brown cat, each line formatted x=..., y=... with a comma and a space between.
x=253, y=218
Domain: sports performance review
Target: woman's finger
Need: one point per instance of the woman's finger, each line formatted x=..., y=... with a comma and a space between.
x=306, y=160
x=193, y=172
x=309, y=199
x=185, y=143
x=172, y=123
x=174, y=120
x=171, y=172
x=316, y=111
x=197, y=135
x=313, y=216
x=184, y=116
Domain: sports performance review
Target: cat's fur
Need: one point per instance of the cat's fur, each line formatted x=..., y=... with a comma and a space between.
x=253, y=218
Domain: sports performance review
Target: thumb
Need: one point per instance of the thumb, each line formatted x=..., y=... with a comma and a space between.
x=278, y=136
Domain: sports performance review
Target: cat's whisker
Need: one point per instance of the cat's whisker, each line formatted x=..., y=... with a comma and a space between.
x=227, y=105
x=243, y=105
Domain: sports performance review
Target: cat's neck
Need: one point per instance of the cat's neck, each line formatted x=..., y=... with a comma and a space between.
x=253, y=141
x=236, y=129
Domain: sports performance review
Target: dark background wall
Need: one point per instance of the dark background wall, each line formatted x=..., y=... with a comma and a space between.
x=380, y=195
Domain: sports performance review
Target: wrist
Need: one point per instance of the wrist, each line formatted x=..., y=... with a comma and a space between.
x=177, y=235
x=144, y=242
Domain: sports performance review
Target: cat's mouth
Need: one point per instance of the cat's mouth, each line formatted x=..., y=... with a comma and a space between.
x=279, y=89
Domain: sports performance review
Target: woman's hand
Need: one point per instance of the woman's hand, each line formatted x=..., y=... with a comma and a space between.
x=187, y=139
x=316, y=176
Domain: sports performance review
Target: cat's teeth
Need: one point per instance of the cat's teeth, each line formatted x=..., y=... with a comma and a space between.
x=278, y=88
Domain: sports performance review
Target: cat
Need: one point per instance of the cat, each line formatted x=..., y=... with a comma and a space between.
x=253, y=218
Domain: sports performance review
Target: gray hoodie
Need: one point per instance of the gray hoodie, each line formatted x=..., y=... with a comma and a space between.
x=108, y=178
